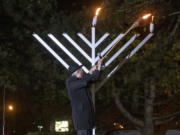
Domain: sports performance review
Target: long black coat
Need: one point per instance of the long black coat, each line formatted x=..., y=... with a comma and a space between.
x=81, y=100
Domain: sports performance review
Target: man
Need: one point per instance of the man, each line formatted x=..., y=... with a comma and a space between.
x=80, y=96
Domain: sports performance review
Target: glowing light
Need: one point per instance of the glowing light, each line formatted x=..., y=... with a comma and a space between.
x=61, y=126
x=146, y=16
x=11, y=108
x=118, y=125
x=152, y=18
x=40, y=127
x=121, y=126
x=97, y=11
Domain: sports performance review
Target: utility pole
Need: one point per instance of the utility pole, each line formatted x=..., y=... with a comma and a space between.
x=4, y=109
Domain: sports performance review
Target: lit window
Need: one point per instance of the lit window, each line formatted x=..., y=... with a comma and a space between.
x=61, y=126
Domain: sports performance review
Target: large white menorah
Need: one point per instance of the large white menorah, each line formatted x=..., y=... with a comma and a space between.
x=93, y=45
x=93, y=59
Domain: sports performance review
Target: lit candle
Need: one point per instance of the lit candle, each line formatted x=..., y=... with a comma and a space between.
x=94, y=21
x=151, y=28
x=95, y=17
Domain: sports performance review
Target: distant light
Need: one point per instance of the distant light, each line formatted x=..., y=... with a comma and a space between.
x=11, y=108
x=61, y=126
x=121, y=126
x=40, y=127
x=118, y=125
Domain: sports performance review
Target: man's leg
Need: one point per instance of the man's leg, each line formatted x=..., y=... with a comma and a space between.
x=84, y=132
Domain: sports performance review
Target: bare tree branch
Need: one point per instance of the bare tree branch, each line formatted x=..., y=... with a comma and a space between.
x=159, y=122
x=170, y=99
x=130, y=102
x=167, y=116
x=134, y=120
x=165, y=119
x=174, y=13
x=176, y=26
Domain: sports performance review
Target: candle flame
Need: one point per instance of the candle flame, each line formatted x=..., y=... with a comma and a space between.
x=146, y=16
x=152, y=18
x=97, y=11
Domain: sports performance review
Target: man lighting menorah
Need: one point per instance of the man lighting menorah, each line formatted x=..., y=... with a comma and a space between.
x=80, y=96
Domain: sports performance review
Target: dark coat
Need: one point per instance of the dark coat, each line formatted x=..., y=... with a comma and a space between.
x=81, y=100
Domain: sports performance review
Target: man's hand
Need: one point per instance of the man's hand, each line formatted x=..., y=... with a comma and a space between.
x=92, y=69
x=98, y=66
x=100, y=61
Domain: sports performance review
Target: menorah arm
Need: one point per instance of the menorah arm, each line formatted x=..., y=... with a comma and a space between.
x=59, y=44
x=85, y=39
x=101, y=39
x=77, y=46
x=43, y=43
x=124, y=61
x=140, y=45
x=115, y=41
x=121, y=50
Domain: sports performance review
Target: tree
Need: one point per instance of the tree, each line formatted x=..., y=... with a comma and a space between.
x=146, y=76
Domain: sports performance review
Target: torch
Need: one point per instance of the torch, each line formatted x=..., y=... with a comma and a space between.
x=95, y=17
x=137, y=22
x=134, y=25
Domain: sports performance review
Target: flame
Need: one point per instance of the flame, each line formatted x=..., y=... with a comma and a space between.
x=152, y=18
x=146, y=16
x=97, y=11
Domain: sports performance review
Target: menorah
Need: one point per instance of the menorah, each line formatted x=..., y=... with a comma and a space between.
x=93, y=44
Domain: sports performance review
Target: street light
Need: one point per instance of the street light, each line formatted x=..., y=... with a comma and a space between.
x=10, y=107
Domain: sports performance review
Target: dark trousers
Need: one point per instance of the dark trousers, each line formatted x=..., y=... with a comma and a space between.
x=84, y=132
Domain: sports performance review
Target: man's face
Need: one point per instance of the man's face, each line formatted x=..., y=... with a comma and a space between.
x=80, y=73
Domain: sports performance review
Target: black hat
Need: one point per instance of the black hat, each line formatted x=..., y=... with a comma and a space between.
x=73, y=67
